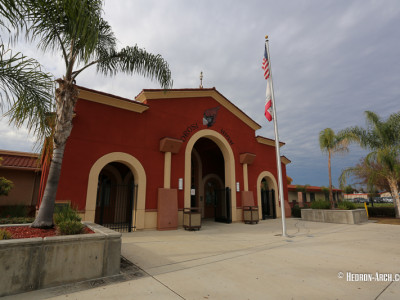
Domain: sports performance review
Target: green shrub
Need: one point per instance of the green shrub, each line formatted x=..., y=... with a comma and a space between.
x=346, y=205
x=69, y=227
x=5, y=186
x=387, y=212
x=67, y=220
x=65, y=212
x=14, y=211
x=16, y=220
x=5, y=235
x=320, y=204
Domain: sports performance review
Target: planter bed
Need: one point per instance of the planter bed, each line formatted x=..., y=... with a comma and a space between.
x=355, y=216
x=36, y=263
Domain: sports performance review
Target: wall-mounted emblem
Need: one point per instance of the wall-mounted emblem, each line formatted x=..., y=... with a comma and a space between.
x=210, y=116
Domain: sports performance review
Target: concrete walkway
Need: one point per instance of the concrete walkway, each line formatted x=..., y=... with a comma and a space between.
x=238, y=261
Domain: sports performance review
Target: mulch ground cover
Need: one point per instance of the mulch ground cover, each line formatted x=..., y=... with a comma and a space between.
x=23, y=232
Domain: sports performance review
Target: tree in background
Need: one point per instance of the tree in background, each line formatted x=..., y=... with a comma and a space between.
x=348, y=189
x=331, y=143
x=382, y=165
x=5, y=184
x=77, y=30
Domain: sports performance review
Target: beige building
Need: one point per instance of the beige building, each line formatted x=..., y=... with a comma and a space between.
x=297, y=195
x=23, y=169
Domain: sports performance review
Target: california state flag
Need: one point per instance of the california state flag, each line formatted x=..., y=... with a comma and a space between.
x=268, y=102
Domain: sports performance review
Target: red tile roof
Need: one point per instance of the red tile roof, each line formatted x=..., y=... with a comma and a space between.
x=20, y=160
x=292, y=187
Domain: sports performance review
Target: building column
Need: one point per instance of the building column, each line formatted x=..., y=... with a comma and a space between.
x=245, y=178
x=246, y=159
x=169, y=146
x=167, y=170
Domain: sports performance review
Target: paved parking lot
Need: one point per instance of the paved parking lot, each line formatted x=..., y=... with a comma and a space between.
x=238, y=261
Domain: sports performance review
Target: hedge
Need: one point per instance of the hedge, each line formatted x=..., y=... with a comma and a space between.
x=387, y=212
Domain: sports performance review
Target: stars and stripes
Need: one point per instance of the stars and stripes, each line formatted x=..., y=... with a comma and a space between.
x=265, y=64
x=268, y=99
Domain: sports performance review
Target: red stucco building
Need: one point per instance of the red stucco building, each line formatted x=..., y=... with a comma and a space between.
x=142, y=162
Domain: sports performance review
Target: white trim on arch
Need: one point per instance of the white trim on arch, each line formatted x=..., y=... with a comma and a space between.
x=229, y=159
x=139, y=175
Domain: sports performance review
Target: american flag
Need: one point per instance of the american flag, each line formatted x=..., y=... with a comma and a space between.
x=268, y=101
x=265, y=64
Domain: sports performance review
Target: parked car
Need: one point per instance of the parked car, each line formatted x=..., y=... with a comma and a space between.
x=360, y=200
x=387, y=199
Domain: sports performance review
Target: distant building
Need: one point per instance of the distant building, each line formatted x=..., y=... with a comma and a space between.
x=312, y=193
x=355, y=195
x=23, y=169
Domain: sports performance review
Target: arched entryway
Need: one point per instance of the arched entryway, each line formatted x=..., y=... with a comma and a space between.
x=210, y=176
x=268, y=208
x=208, y=191
x=116, y=197
x=267, y=196
x=108, y=165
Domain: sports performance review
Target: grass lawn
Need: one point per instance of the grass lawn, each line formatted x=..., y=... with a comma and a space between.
x=361, y=205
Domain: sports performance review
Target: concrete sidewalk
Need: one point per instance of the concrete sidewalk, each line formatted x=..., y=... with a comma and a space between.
x=238, y=261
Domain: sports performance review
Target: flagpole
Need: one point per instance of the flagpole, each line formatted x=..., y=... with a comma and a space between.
x=278, y=155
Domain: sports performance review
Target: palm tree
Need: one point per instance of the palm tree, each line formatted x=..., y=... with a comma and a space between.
x=77, y=30
x=331, y=143
x=382, y=138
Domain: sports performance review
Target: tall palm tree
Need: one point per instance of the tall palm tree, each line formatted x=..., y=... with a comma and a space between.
x=382, y=138
x=331, y=143
x=77, y=30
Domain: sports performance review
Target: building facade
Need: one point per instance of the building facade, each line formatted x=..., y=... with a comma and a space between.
x=142, y=162
x=303, y=196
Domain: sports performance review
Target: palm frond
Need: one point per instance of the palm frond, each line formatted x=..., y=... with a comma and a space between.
x=331, y=142
x=71, y=26
x=12, y=16
x=26, y=90
x=346, y=173
x=133, y=60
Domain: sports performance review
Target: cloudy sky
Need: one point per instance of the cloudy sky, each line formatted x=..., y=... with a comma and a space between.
x=331, y=61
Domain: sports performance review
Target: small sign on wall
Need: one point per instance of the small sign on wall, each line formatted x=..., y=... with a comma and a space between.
x=180, y=183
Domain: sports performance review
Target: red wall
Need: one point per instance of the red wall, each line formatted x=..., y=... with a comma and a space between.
x=100, y=129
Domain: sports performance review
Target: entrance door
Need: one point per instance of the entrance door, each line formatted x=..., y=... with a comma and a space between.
x=217, y=201
x=211, y=189
x=268, y=204
x=223, y=206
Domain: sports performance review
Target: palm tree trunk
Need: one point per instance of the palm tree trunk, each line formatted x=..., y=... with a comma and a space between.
x=44, y=218
x=66, y=97
x=395, y=195
x=330, y=181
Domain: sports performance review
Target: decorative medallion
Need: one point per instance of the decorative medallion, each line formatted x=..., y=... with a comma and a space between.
x=210, y=116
